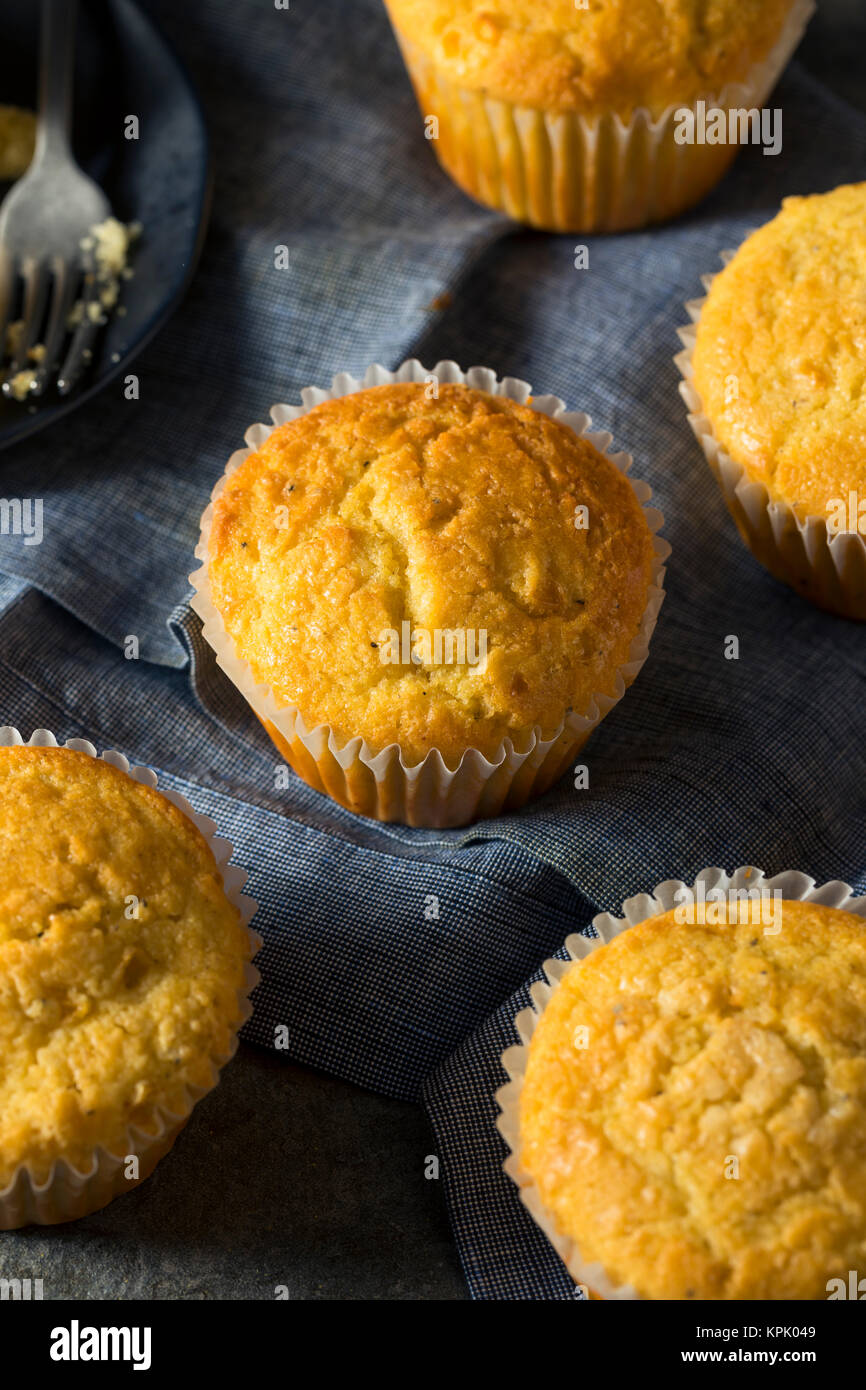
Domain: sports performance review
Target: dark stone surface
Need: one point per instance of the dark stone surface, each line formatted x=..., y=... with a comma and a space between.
x=282, y=1177
x=287, y=1177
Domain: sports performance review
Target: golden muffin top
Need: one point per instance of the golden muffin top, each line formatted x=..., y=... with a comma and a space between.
x=363, y=533
x=120, y=958
x=780, y=350
x=705, y=1137
x=613, y=55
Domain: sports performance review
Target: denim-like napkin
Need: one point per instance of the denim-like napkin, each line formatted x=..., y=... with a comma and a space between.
x=386, y=948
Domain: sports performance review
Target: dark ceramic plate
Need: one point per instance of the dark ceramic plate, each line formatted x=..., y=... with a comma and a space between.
x=123, y=67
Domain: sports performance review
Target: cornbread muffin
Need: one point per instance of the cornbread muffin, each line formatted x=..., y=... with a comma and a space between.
x=778, y=357
x=613, y=55
x=704, y=1138
x=772, y=378
x=455, y=514
x=106, y=1017
x=562, y=115
x=17, y=141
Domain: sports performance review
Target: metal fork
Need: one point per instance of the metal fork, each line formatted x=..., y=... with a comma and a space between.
x=43, y=221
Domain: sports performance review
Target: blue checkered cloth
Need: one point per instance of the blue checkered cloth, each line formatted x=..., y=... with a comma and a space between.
x=386, y=949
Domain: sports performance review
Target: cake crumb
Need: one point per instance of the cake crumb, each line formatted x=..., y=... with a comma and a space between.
x=108, y=244
x=21, y=384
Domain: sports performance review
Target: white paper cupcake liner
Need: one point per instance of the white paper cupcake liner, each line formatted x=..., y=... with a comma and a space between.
x=68, y=1193
x=830, y=570
x=563, y=171
x=793, y=885
x=381, y=785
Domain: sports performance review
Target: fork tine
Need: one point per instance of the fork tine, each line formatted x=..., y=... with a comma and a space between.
x=35, y=275
x=7, y=296
x=66, y=281
x=92, y=319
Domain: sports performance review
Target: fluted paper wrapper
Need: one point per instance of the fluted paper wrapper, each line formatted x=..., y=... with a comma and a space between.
x=828, y=569
x=380, y=785
x=67, y=1193
x=791, y=884
x=566, y=172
